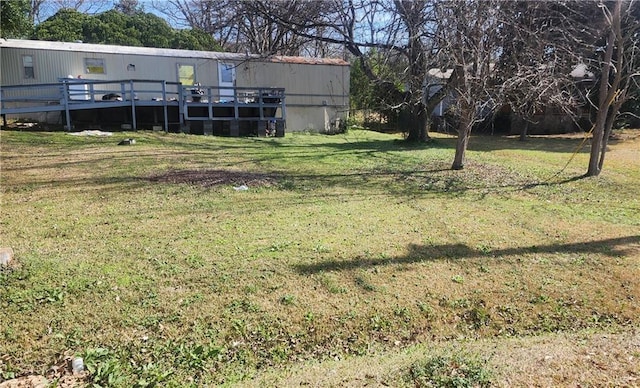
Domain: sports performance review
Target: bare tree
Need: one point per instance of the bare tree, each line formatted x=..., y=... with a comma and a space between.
x=619, y=73
x=35, y=7
x=512, y=53
x=536, y=70
x=128, y=7
x=42, y=9
x=241, y=26
x=596, y=39
x=379, y=35
x=471, y=46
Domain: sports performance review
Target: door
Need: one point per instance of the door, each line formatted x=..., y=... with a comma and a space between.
x=226, y=80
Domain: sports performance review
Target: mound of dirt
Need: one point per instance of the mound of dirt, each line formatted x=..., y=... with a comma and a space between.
x=211, y=178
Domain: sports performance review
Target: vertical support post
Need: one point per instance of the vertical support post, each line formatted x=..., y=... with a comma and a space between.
x=210, y=102
x=164, y=106
x=65, y=100
x=281, y=124
x=283, y=107
x=4, y=115
x=180, y=106
x=261, y=123
x=234, y=126
x=236, y=114
x=261, y=104
x=133, y=106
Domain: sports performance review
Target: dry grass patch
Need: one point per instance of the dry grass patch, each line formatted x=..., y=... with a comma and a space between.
x=573, y=359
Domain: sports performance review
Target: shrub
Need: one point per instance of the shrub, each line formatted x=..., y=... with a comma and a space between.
x=449, y=371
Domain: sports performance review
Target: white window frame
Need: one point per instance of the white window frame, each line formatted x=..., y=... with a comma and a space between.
x=25, y=73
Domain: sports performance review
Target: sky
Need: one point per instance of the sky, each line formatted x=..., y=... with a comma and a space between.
x=50, y=7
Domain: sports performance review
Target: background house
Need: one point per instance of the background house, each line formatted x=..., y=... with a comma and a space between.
x=502, y=120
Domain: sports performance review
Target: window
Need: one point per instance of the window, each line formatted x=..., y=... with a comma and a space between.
x=187, y=74
x=27, y=65
x=226, y=72
x=94, y=66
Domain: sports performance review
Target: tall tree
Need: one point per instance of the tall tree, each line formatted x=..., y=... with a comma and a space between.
x=67, y=25
x=240, y=28
x=35, y=7
x=533, y=70
x=114, y=27
x=400, y=33
x=15, y=19
x=471, y=46
x=619, y=73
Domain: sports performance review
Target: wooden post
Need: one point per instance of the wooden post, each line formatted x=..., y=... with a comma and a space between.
x=164, y=106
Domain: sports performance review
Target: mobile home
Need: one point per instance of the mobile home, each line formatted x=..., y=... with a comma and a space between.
x=316, y=89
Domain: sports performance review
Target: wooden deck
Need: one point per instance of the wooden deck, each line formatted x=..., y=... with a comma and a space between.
x=170, y=106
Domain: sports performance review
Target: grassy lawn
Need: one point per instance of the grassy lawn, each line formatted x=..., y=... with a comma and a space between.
x=355, y=256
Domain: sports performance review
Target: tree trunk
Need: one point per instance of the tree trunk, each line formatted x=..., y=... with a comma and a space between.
x=605, y=97
x=605, y=140
x=524, y=132
x=417, y=123
x=608, y=126
x=596, y=144
x=464, y=132
x=427, y=126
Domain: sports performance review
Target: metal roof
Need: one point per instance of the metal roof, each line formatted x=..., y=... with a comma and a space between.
x=160, y=52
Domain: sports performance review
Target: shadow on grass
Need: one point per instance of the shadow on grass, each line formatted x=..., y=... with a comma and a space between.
x=419, y=253
x=208, y=160
x=482, y=143
x=482, y=180
x=477, y=179
x=560, y=144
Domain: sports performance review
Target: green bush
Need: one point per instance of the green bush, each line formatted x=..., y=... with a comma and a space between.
x=449, y=371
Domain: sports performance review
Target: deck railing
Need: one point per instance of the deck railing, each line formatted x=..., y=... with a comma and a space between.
x=268, y=101
x=221, y=103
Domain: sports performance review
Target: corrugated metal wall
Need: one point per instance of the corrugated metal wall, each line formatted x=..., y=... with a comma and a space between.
x=51, y=65
x=316, y=93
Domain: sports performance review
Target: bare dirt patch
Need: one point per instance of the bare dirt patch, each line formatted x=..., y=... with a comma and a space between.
x=212, y=178
x=59, y=375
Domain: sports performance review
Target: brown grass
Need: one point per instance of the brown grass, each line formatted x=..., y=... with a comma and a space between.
x=558, y=360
